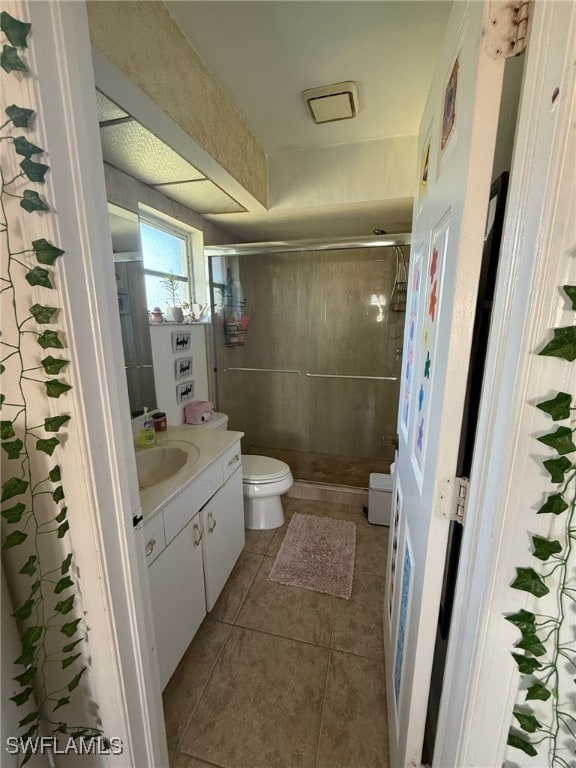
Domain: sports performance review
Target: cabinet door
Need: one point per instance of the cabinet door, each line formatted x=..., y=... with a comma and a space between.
x=223, y=540
x=178, y=601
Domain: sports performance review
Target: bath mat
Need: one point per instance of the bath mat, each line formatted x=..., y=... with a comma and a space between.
x=317, y=554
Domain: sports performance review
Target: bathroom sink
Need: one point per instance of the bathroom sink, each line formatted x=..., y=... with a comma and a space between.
x=154, y=465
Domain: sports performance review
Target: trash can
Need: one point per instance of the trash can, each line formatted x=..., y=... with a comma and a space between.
x=380, y=499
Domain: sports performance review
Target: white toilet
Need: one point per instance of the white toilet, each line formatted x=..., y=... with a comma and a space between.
x=264, y=480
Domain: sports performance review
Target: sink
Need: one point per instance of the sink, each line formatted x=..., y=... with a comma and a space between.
x=154, y=465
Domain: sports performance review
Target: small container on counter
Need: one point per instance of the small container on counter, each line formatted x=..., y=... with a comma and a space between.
x=159, y=420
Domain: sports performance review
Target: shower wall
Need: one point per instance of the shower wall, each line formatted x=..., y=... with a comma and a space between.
x=312, y=313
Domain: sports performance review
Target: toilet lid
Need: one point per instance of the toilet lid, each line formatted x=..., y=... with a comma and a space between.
x=263, y=469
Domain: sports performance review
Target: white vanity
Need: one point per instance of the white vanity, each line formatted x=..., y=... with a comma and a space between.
x=193, y=530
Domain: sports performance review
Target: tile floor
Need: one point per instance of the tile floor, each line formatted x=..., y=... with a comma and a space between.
x=281, y=677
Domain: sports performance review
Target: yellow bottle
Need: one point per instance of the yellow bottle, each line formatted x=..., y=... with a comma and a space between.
x=147, y=434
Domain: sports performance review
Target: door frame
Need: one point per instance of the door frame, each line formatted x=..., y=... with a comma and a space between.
x=481, y=679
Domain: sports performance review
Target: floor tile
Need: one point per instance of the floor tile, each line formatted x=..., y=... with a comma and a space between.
x=190, y=677
x=258, y=541
x=179, y=760
x=262, y=706
x=371, y=543
x=314, y=507
x=236, y=588
x=300, y=614
x=357, y=624
x=354, y=725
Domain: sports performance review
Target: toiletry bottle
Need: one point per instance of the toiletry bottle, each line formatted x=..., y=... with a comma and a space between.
x=147, y=435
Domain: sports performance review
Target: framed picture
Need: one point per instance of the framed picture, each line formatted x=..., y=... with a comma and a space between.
x=184, y=392
x=181, y=341
x=183, y=367
x=449, y=109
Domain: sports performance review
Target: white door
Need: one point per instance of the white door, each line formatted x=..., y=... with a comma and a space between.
x=455, y=155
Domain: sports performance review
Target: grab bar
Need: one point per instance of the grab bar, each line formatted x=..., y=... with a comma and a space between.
x=269, y=370
x=345, y=376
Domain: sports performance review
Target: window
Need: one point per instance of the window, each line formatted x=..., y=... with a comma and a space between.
x=165, y=252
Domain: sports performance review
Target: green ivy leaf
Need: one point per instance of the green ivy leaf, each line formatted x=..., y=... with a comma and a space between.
x=528, y=580
x=6, y=430
x=532, y=644
x=26, y=677
x=53, y=366
x=45, y=252
x=50, y=338
x=63, y=584
x=554, y=505
x=53, y=423
x=10, y=61
x=13, y=539
x=521, y=743
x=66, y=564
x=15, y=30
x=25, y=147
x=13, y=487
x=22, y=697
x=55, y=388
x=25, y=611
x=544, y=548
x=75, y=680
x=526, y=664
x=47, y=446
x=35, y=587
x=70, y=660
x=63, y=528
x=561, y=440
x=55, y=475
x=539, y=692
x=33, y=170
x=563, y=344
x=31, y=636
x=29, y=718
x=570, y=291
x=62, y=515
x=39, y=276
x=20, y=116
x=557, y=468
x=43, y=314
x=58, y=494
x=61, y=702
x=31, y=201
x=70, y=628
x=527, y=722
x=524, y=620
x=13, y=448
x=30, y=566
x=14, y=514
x=65, y=606
x=70, y=646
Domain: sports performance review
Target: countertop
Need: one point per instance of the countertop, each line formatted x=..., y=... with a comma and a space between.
x=210, y=442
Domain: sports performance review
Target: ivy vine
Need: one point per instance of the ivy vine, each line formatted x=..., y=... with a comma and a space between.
x=546, y=652
x=35, y=518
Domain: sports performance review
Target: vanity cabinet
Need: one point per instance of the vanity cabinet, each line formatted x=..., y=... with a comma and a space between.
x=192, y=544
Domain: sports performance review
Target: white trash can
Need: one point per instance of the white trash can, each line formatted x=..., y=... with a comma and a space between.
x=380, y=499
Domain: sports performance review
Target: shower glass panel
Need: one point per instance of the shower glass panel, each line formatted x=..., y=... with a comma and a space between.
x=308, y=357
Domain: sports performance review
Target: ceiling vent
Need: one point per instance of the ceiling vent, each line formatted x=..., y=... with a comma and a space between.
x=332, y=102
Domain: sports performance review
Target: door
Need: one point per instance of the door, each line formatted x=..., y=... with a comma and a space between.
x=455, y=156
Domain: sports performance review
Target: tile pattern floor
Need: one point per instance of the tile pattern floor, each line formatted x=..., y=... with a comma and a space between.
x=282, y=677
x=325, y=468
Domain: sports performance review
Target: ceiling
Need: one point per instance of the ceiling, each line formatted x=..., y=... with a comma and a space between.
x=264, y=54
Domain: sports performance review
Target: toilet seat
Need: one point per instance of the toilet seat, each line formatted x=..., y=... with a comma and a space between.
x=263, y=469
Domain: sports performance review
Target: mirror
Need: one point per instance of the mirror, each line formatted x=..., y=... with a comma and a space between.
x=132, y=307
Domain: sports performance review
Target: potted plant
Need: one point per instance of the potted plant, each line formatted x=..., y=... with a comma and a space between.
x=171, y=284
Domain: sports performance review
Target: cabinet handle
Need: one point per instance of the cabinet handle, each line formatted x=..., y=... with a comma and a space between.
x=211, y=517
x=200, y=533
x=234, y=459
x=150, y=547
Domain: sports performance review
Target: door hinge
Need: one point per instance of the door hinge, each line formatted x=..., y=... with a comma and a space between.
x=460, y=502
x=506, y=28
x=136, y=520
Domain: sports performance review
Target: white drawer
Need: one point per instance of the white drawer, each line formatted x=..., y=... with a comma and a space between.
x=154, y=539
x=231, y=460
x=183, y=508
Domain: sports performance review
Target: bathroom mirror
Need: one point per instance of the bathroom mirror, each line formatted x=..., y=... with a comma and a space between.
x=132, y=307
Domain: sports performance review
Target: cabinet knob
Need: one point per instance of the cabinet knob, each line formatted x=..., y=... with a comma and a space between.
x=234, y=459
x=200, y=534
x=150, y=547
x=211, y=517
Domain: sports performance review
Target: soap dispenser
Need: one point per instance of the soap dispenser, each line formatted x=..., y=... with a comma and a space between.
x=147, y=434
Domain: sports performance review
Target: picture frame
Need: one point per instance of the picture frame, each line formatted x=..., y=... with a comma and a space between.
x=181, y=341
x=185, y=392
x=183, y=366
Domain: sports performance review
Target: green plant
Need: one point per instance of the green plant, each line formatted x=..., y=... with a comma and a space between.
x=546, y=652
x=171, y=284
x=35, y=519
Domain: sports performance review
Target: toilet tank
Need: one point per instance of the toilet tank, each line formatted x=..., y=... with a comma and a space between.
x=218, y=421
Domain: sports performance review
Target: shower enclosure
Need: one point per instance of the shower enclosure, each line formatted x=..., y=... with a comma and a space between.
x=307, y=350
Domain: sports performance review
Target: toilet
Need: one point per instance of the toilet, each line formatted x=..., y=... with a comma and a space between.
x=264, y=480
